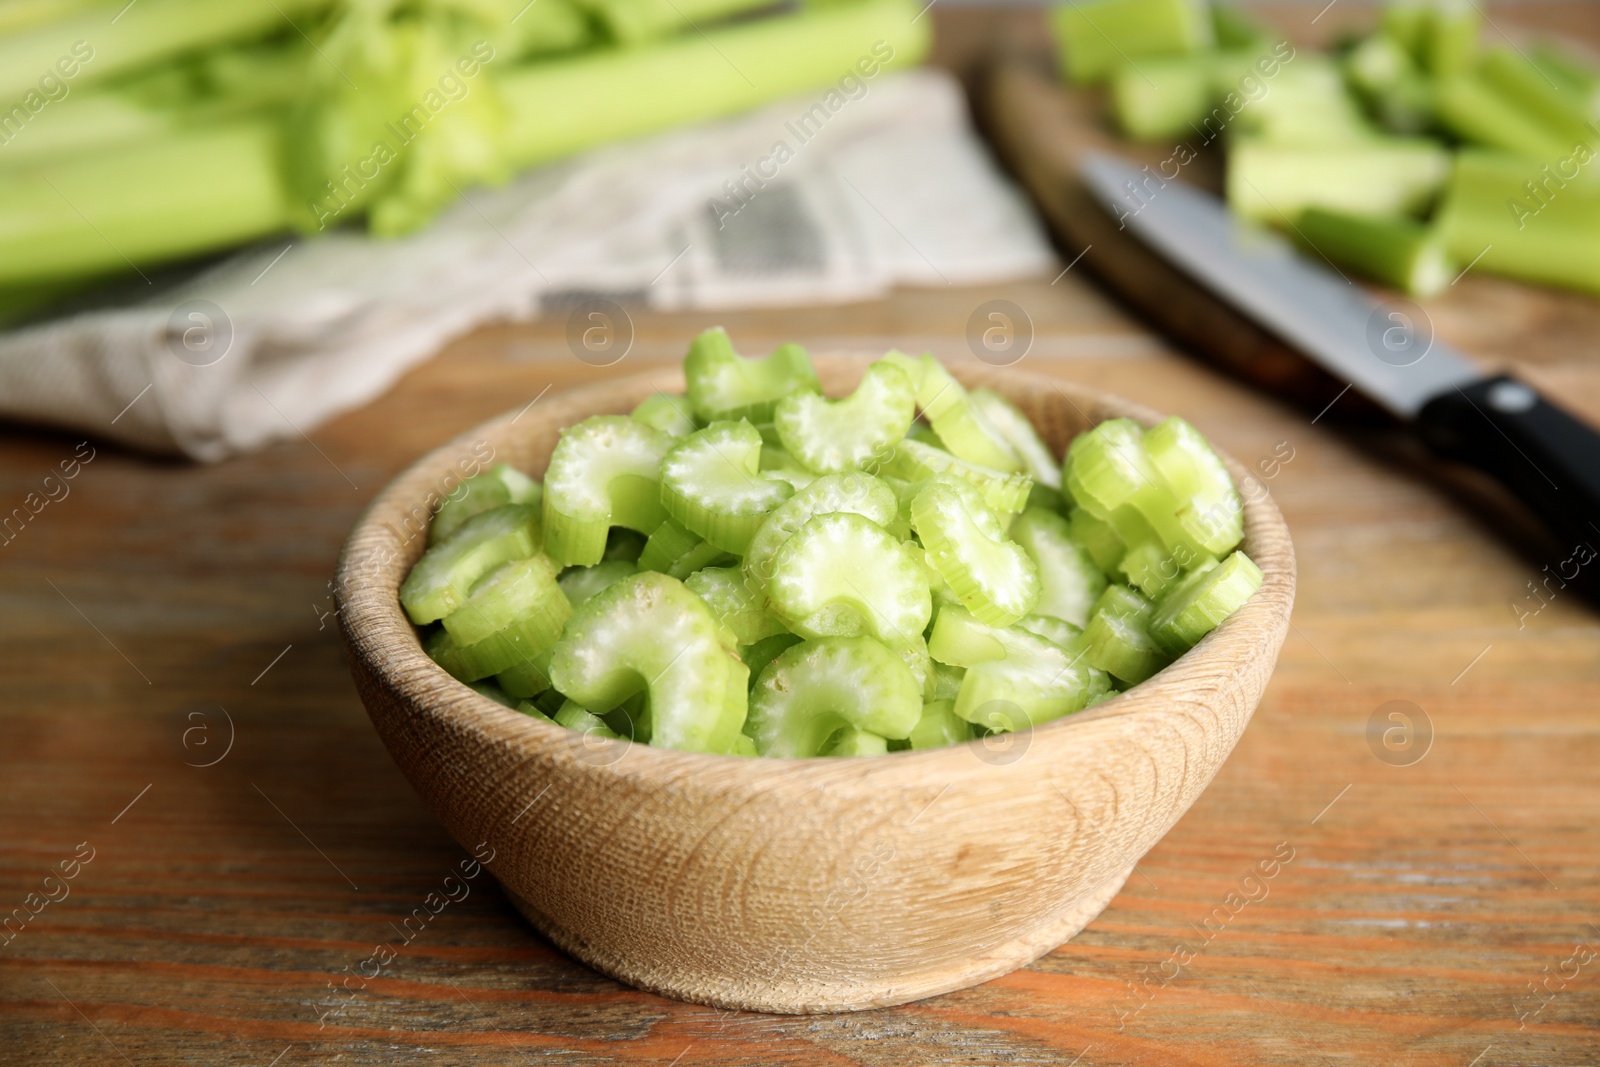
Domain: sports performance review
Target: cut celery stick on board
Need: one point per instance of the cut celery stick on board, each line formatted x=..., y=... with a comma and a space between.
x=1098, y=36
x=1398, y=252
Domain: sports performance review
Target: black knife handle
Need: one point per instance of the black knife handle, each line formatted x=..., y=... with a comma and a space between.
x=1548, y=458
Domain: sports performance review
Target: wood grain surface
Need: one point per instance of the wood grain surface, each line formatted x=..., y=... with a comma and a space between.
x=1438, y=904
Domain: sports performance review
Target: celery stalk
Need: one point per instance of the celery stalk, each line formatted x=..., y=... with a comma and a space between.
x=147, y=31
x=1398, y=252
x=1475, y=110
x=94, y=121
x=1378, y=176
x=565, y=106
x=1560, y=110
x=1537, y=223
x=196, y=192
x=1098, y=36
x=1579, y=78
x=1450, y=41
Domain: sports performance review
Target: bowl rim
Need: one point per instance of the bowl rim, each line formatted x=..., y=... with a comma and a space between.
x=377, y=630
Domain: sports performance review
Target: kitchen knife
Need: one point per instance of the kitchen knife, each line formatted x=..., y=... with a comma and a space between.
x=1542, y=454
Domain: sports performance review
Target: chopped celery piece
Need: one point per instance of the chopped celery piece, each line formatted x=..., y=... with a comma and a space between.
x=521, y=597
x=1069, y=580
x=1057, y=631
x=676, y=551
x=947, y=681
x=667, y=412
x=581, y=583
x=1011, y=672
x=1378, y=176
x=1117, y=639
x=1568, y=115
x=915, y=461
x=1398, y=252
x=1519, y=219
x=852, y=742
x=780, y=466
x=1209, y=511
x=575, y=716
x=1162, y=98
x=710, y=482
x=854, y=491
x=1098, y=36
x=810, y=691
x=940, y=726
x=1152, y=570
x=1378, y=64
x=1306, y=103
x=725, y=385
x=967, y=546
x=727, y=593
x=842, y=575
x=499, y=485
x=441, y=580
x=1097, y=538
x=649, y=633
x=757, y=656
x=1449, y=41
x=603, y=473
x=526, y=679
x=914, y=654
x=1199, y=603
x=494, y=693
x=1475, y=109
x=531, y=710
x=960, y=425
x=830, y=436
x=1015, y=429
x=1166, y=484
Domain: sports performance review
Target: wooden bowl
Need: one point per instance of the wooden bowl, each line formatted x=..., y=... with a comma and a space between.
x=800, y=885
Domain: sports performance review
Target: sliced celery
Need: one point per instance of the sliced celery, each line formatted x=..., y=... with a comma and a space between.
x=676, y=551
x=1015, y=429
x=1057, y=631
x=1069, y=580
x=441, y=580
x=1377, y=176
x=1210, y=511
x=1198, y=604
x=499, y=485
x=830, y=436
x=1096, y=538
x=603, y=473
x=780, y=466
x=521, y=594
x=1517, y=218
x=1450, y=36
x=581, y=583
x=711, y=483
x=526, y=679
x=667, y=412
x=809, y=692
x=757, y=656
x=1117, y=638
x=967, y=545
x=1398, y=252
x=960, y=425
x=649, y=633
x=742, y=610
x=1567, y=114
x=940, y=726
x=1098, y=36
x=852, y=742
x=1475, y=109
x=915, y=461
x=575, y=716
x=854, y=491
x=842, y=574
x=725, y=385
x=531, y=710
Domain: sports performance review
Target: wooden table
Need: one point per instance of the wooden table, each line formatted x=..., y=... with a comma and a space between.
x=1441, y=906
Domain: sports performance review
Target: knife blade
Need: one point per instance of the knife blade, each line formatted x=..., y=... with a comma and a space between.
x=1541, y=453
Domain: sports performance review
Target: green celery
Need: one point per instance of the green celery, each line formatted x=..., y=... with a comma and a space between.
x=1475, y=109
x=1378, y=176
x=564, y=106
x=1098, y=36
x=1398, y=252
x=1566, y=114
